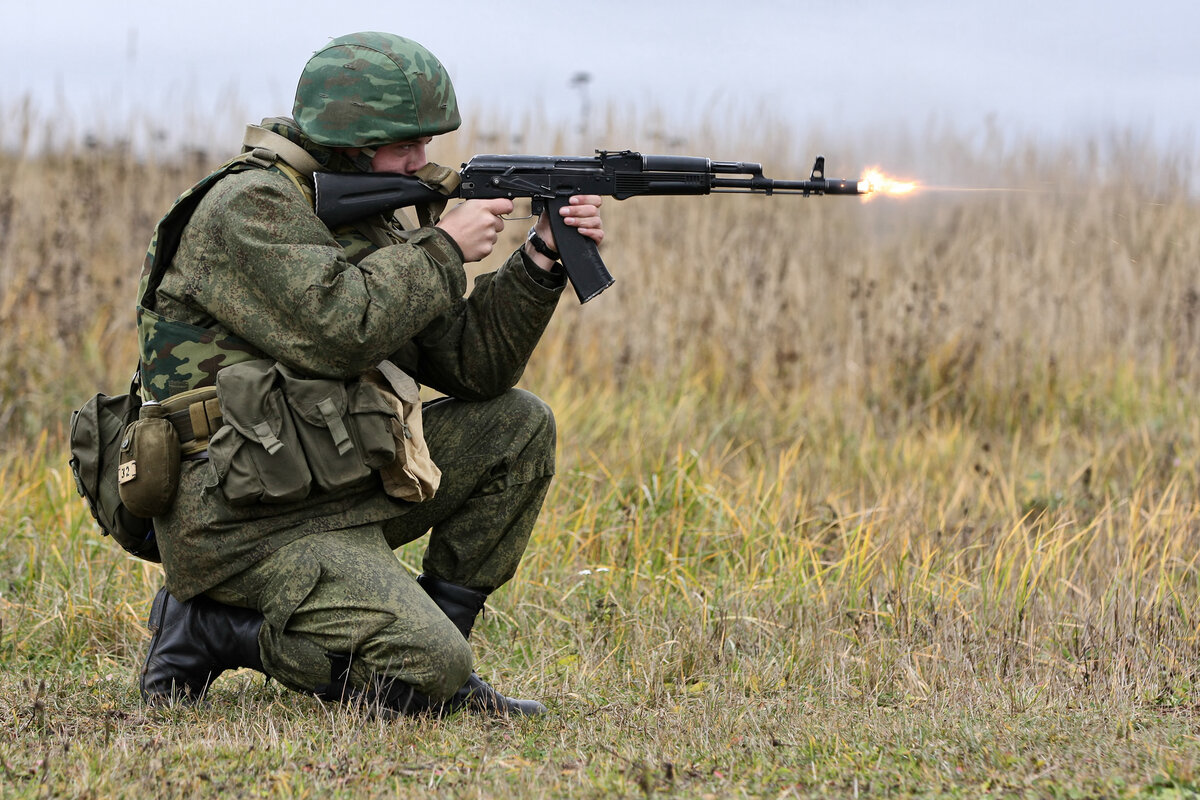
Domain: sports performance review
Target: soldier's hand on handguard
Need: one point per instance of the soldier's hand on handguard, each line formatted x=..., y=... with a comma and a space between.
x=475, y=226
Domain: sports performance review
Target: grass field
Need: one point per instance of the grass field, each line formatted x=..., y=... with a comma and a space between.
x=882, y=500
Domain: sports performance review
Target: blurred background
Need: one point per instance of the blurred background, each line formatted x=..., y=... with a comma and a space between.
x=164, y=74
x=1083, y=113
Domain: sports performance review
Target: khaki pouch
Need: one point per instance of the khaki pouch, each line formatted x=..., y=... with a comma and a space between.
x=148, y=474
x=412, y=475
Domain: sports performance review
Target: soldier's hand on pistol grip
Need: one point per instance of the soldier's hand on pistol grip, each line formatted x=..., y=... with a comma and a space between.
x=475, y=226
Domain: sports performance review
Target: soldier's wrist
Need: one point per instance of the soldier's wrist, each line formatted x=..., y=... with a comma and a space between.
x=539, y=252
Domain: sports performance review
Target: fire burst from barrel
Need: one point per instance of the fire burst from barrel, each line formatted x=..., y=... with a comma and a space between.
x=881, y=184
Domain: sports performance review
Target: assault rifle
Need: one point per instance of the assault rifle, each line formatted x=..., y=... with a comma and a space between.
x=549, y=181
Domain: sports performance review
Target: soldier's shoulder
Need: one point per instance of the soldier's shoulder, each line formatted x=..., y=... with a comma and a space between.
x=249, y=191
x=255, y=180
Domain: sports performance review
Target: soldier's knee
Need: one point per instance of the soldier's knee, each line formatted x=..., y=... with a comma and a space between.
x=449, y=666
x=537, y=415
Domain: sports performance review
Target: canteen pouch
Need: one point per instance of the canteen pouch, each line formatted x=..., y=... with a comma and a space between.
x=148, y=475
x=413, y=475
x=343, y=429
x=256, y=454
x=97, y=431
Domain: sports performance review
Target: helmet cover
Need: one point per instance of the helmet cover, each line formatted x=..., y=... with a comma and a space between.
x=370, y=89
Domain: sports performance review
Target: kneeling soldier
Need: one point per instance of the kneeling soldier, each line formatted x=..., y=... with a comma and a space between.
x=317, y=459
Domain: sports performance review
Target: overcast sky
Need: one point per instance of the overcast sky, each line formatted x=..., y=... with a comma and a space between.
x=1045, y=67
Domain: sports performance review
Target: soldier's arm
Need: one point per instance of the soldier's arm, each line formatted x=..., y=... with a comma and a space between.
x=272, y=274
x=480, y=349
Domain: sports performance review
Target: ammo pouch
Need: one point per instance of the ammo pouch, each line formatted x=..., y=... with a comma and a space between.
x=286, y=434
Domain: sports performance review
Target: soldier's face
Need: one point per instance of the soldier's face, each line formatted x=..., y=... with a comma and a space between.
x=402, y=157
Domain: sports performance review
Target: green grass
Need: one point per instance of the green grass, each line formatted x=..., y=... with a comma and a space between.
x=723, y=598
x=93, y=741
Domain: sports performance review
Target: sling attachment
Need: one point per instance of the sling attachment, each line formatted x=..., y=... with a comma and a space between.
x=446, y=181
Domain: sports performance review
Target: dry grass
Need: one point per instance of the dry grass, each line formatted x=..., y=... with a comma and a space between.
x=891, y=499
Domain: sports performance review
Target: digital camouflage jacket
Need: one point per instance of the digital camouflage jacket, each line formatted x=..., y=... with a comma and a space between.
x=257, y=272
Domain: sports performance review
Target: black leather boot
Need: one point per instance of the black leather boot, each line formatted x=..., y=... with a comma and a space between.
x=462, y=606
x=194, y=642
x=385, y=696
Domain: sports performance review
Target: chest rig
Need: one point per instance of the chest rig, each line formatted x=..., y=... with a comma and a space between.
x=177, y=356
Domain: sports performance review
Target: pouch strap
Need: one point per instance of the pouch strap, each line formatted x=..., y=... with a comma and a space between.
x=337, y=428
x=198, y=421
x=268, y=438
x=196, y=415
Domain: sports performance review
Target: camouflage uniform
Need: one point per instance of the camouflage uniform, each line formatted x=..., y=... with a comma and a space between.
x=257, y=275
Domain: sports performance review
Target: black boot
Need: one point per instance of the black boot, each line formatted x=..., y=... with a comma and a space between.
x=392, y=697
x=462, y=606
x=385, y=696
x=194, y=642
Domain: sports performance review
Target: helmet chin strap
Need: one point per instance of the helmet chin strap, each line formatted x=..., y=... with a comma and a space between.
x=362, y=160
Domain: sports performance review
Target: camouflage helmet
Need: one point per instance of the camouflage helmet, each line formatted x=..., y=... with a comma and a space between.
x=370, y=89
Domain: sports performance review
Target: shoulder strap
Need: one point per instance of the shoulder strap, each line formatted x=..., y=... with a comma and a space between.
x=281, y=147
x=265, y=148
x=260, y=148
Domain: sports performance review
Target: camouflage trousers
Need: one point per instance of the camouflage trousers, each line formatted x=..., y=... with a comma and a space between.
x=344, y=592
